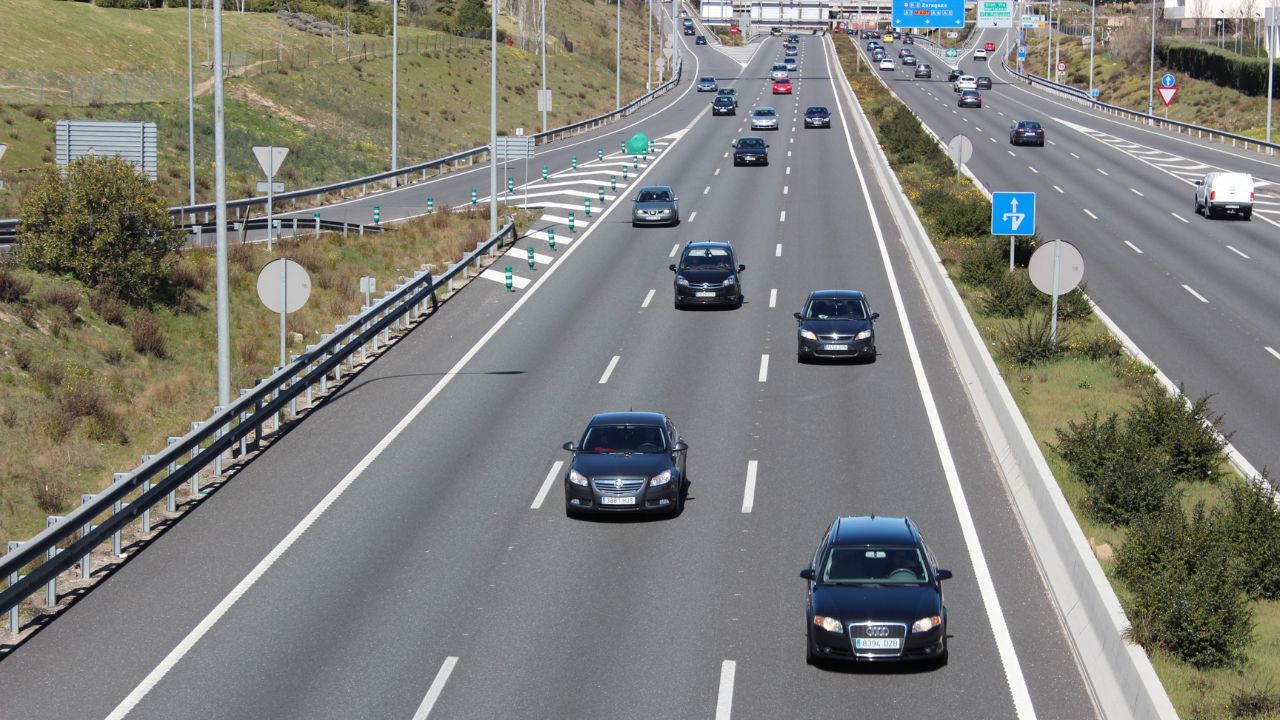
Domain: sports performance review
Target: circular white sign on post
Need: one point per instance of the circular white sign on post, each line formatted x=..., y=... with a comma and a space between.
x=1070, y=267
x=961, y=149
x=283, y=286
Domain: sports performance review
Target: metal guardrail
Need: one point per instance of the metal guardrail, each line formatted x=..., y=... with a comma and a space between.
x=230, y=433
x=9, y=227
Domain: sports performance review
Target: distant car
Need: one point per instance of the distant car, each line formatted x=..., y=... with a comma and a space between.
x=775, y=32
x=689, y=31
x=791, y=51
x=954, y=74
x=877, y=55
x=707, y=84
x=989, y=47
x=924, y=70
x=708, y=274
x=836, y=324
x=790, y=63
x=817, y=116
x=982, y=82
x=888, y=37
x=626, y=461
x=793, y=38
x=724, y=105
x=781, y=87
x=903, y=52
x=965, y=82
x=909, y=60
x=875, y=594
x=729, y=92
x=979, y=54
x=764, y=118
x=1026, y=132
x=778, y=72
x=887, y=64
x=700, y=40
x=1225, y=193
x=750, y=150
x=655, y=205
x=969, y=98
x=873, y=44
x=908, y=40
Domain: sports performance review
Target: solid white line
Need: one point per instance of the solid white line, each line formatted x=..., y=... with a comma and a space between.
x=647, y=298
x=1055, y=187
x=1090, y=214
x=674, y=249
x=546, y=485
x=777, y=251
x=609, y=370
x=1273, y=352
x=1232, y=249
x=1134, y=247
x=437, y=687
x=749, y=490
x=773, y=297
x=1194, y=294
x=782, y=217
x=693, y=215
x=764, y=368
x=1018, y=690
x=1136, y=192
x=1180, y=217
x=724, y=698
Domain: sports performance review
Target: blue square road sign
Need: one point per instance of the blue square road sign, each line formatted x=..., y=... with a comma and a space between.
x=1013, y=213
x=928, y=13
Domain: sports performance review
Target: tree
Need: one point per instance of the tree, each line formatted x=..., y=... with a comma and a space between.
x=472, y=15
x=102, y=223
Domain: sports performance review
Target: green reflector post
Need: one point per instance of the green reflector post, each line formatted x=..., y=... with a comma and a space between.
x=508, y=278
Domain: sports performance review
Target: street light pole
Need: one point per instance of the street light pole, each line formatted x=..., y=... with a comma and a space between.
x=1048, y=46
x=1272, y=38
x=1151, y=73
x=191, y=113
x=617, y=60
x=220, y=214
x=648, y=83
x=1092, y=42
x=493, y=121
x=544, y=66
x=395, y=81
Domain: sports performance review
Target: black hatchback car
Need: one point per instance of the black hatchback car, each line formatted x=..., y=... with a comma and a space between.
x=836, y=324
x=724, y=105
x=983, y=82
x=954, y=74
x=708, y=275
x=626, y=461
x=700, y=40
x=750, y=150
x=817, y=116
x=875, y=594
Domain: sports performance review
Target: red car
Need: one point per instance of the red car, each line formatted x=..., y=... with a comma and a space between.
x=990, y=47
x=781, y=87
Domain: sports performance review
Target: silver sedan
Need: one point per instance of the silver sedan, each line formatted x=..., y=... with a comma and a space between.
x=764, y=118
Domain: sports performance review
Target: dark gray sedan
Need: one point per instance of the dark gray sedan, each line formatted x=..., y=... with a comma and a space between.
x=655, y=205
x=836, y=324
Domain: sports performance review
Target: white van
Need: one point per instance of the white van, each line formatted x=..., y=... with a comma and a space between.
x=1225, y=193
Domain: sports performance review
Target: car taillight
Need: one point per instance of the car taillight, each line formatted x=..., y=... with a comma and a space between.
x=1213, y=194
x=1250, y=196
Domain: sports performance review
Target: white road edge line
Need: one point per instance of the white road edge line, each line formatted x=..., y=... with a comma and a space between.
x=749, y=490
x=1018, y=691
x=764, y=368
x=1194, y=294
x=437, y=687
x=1131, y=246
x=773, y=297
x=546, y=485
x=609, y=370
x=724, y=698
x=206, y=624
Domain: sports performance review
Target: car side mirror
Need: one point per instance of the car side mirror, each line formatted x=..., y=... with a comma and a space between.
x=944, y=574
x=797, y=316
x=673, y=268
x=807, y=573
x=766, y=144
x=681, y=446
x=742, y=268
x=1199, y=182
x=569, y=446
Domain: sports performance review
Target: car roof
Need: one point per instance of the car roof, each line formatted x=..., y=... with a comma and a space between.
x=817, y=108
x=655, y=187
x=765, y=107
x=875, y=530
x=704, y=244
x=836, y=295
x=629, y=417
x=707, y=77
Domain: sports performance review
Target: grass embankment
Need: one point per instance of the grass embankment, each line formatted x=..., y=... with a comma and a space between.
x=334, y=117
x=79, y=400
x=1052, y=394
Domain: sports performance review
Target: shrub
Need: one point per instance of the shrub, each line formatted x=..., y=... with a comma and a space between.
x=1010, y=295
x=1187, y=434
x=12, y=287
x=185, y=276
x=28, y=314
x=1101, y=347
x=112, y=355
x=1029, y=341
x=1251, y=529
x=1254, y=702
x=147, y=334
x=1186, y=597
x=968, y=215
x=61, y=296
x=1089, y=446
x=1073, y=305
x=52, y=494
x=109, y=307
x=903, y=136
x=1134, y=482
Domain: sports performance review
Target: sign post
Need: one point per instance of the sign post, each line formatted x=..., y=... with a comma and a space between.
x=1013, y=214
x=961, y=149
x=269, y=159
x=1055, y=270
x=283, y=286
x=3, y=147
x=1168, y=91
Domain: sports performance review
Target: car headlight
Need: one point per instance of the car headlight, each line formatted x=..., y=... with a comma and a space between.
x=828, y=623
x=682, y=281
x=731, y=280
x=808, y=334
x=661, y=478
x=925, y=624
x=864, y=335
x=577, y=478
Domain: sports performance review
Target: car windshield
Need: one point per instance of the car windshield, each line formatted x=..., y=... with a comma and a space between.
x=875, y=565
x=707, y=80
x=1031, y=125
x=837, y=309
x=727, y=91
x=712, y=258
x=751, y=143
x=624, y=439
x=654, y=196
x=764, y=112
x=816, y=111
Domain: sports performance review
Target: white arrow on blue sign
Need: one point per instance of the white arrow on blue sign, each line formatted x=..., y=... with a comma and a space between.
x=1022, y=52
x=1168, y=80
x=1013, y=213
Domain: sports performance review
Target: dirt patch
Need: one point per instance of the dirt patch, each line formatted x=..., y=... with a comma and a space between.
x=248, y=94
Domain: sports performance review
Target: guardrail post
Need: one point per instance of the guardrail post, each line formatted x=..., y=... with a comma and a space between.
x=344, y=229
x=361, y=229
x=295, y=226
x=51, y=593
x=86, y=562
x=217, y=460
x=199, y=235
x=293, y=402
x=13, y=580
x=115, y=508
x=195, y=478
x=146, y=485
x=316, y=216
x=173, y=468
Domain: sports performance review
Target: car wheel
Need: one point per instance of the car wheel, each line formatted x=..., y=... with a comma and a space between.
x=738, y=304
x=946, y=653
x=635, y=224
x=678, y=305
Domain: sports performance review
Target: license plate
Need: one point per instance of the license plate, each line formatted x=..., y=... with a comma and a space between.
x=610, y=500
x=704, y=294
x=1232, y=207
x=877, y=643
x=835, y=347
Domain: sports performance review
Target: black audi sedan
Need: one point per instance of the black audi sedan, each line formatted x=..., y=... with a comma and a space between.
x=817, y=116
x=836, y=324
x=1026, y=132
x=750, y=150
x=875, y=594
x=708, y=275
x=626, y=462
x=969, y=98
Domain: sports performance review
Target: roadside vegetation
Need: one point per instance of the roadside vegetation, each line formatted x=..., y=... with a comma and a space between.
x=1189, y=546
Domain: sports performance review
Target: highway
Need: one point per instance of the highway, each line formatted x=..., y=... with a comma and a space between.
x=404, y=552
x=1197, y=295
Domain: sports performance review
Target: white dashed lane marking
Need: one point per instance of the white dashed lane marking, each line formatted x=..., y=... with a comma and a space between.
x=648, y=298
x=609, y=370
x=1194, y=294
x=1232, y=249
x=1133, y=247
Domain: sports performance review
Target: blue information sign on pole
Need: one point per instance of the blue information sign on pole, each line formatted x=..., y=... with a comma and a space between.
x=1022, y=52
x=1168, y=80
x=1013, y=213
x=928, y=13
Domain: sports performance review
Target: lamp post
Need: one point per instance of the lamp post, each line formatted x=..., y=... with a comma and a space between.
x=648, y=83
x=1092, y=42
x=220, y=214
x=617, y=60
x=544, y=66
x=1151, y=79
x=1048, y=46
x=191, y=114
x=493, y=120
x=1272, y=38
x=395, y=84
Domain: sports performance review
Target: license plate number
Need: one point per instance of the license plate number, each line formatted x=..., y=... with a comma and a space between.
x=704, y=294
x=835, y=347
x=877, y=643
x=610, y=500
